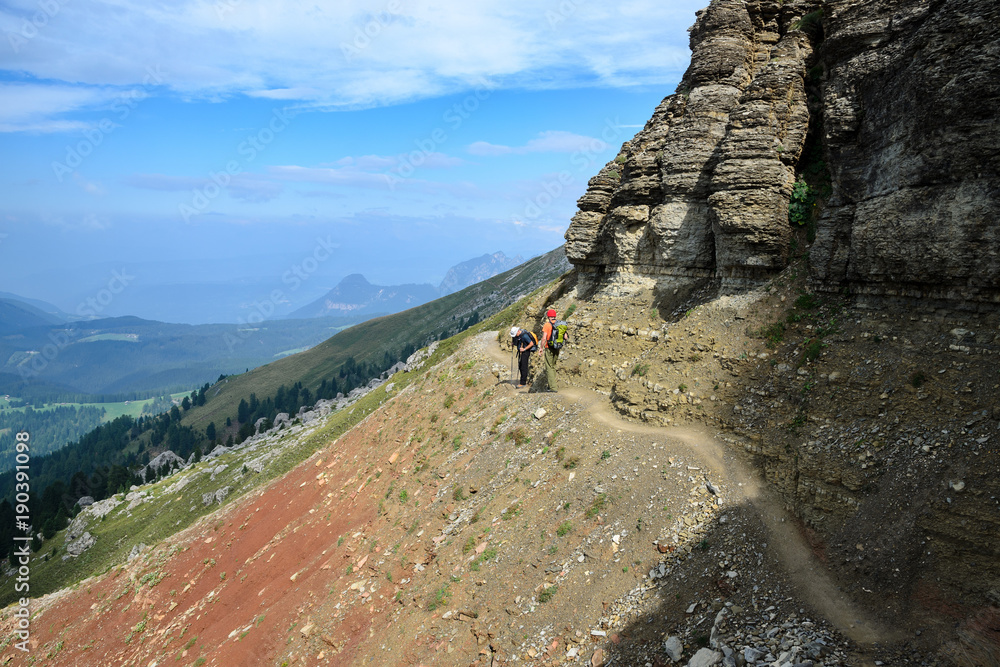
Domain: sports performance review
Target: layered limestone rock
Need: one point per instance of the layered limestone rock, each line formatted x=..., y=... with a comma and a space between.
x=910, y=115
x=703, y=189
x=900, y=99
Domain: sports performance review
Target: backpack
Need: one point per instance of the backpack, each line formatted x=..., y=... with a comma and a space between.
x=558, y=336
x=533, y=340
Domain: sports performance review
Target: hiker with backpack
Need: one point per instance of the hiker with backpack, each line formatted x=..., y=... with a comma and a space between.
x=526, y=343
x=555, y=334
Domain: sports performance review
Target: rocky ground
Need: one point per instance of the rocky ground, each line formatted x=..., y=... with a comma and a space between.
x=875, y=421
x=622, y=521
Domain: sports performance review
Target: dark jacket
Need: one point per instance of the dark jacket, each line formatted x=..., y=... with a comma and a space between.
x=524, y=338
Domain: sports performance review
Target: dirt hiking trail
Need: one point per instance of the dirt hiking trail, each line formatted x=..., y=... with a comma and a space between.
x=809, y=577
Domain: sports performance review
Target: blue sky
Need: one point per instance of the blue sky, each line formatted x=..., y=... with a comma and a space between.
x=200, y=145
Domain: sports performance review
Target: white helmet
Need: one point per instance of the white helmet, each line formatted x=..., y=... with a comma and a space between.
x=513, y=331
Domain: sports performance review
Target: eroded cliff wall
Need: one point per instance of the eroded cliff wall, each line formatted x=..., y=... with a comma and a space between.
x=910, y=109
x=898, y=100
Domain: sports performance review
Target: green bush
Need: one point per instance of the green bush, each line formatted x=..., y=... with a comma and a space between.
x=511, y=512
x=803, y=201
x=519, y=436
x=597, y=506
x=772, y=334
x=807, y=301
x=812, y=349
x=811, y=23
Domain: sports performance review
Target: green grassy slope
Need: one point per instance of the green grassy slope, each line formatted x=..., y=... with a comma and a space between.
x=369, y=340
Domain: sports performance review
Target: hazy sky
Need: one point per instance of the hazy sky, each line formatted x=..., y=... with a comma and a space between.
x=197, y=144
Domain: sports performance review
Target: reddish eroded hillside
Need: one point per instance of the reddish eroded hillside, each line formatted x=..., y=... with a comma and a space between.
x=259, y=574
x=252, y=567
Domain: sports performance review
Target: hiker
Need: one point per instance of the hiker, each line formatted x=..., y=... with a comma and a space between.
x=526, y=343
x=555, y=334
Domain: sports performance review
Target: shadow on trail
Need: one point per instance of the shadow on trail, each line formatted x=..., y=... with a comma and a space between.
x=744, y=495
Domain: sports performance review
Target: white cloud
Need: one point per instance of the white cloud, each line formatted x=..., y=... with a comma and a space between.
x=332, y=53
x=251, y=188
x=367, y=170
x=552, y=141
x=35, y=107
x=328, y=176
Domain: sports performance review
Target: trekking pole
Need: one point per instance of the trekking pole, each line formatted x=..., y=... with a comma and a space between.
x=512, y=361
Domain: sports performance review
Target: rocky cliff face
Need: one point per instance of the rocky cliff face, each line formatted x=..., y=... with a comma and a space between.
x=892, y=107
x=910, y=110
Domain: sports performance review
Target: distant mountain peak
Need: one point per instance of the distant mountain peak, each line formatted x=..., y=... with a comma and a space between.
x=477, y=270
x=354, y=294
x=353, y=279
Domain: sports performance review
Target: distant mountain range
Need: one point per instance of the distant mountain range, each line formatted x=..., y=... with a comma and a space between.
x=354, y=295
x=477, y=270
x=47, y=353
x=44, y=307
x=17, y=315
x=124, y=355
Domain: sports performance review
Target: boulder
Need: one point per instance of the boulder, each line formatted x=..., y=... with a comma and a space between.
x=705, y=657
x=81, y=544
x=674, y=648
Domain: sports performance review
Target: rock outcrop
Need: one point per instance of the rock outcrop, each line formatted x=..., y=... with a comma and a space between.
x=703, y=189
x=890, y=106
x=911, y=129
x=166, y=459
x=81, y=544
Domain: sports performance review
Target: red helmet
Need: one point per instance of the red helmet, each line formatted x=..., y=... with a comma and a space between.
x=550, y=313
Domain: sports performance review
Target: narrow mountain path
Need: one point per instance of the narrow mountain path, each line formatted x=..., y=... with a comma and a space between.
x=808, y=575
